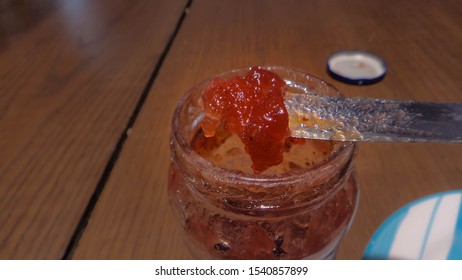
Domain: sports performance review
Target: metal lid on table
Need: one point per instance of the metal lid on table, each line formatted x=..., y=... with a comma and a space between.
x=356, y=67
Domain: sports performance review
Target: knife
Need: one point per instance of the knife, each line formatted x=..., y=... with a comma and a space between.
x=365, y=119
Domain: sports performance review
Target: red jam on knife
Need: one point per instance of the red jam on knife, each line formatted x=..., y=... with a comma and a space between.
x=252, y=107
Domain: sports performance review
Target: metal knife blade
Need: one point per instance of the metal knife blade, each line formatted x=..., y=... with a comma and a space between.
x=366, y=119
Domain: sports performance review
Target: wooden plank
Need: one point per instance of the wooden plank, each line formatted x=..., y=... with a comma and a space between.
x=71, y=74
x=420, y=42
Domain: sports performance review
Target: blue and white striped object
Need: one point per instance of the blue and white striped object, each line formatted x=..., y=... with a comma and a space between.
x=428, y=228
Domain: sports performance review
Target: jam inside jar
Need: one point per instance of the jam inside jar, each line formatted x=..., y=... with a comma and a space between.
x=298, y=209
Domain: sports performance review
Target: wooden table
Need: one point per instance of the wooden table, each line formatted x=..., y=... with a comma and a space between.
x=87, y=91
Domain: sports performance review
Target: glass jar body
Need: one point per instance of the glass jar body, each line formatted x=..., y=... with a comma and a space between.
x=227, y=214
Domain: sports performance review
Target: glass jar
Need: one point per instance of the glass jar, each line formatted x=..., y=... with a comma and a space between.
x=229, y=214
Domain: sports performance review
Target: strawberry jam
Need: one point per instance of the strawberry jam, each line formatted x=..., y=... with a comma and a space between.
x=252, y=107
x=301, y=202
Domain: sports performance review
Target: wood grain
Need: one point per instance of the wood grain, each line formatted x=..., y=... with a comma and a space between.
x=71, y=74
x=420, y=40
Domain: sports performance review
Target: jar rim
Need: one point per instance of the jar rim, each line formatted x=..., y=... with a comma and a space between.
x=224, y=175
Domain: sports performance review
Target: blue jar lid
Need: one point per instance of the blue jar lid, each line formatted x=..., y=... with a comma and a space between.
x=428, y=228
x=356, y=67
